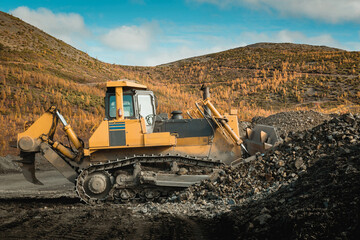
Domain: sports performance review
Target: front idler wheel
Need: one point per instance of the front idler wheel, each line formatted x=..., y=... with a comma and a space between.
x=94, y=187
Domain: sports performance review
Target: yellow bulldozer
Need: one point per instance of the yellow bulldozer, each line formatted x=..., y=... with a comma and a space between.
x=138, y=154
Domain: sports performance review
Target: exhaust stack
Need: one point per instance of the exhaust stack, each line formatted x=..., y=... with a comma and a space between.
x=206, y=95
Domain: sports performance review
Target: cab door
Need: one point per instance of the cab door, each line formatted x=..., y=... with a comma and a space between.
x=146, y=108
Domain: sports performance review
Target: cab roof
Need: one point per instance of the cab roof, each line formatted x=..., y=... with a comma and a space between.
x=125, y=83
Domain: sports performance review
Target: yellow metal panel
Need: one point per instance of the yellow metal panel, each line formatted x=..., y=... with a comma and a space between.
x=100, y=138
x=143, y=125
x=233, y=122
x=125, y=83
x=159, y=139
x=233, y=111
x=134, y=135
x=39, y=127
x=86, y=152
x=200, y=151
x=119, y=103
x=192, y=141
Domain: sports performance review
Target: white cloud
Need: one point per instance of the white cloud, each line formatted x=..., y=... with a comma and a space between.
x=68, y=27
x=333, y=11
x=135, y=38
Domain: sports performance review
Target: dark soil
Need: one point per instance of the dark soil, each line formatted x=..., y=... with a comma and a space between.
x=324, y=203
x=68, y=219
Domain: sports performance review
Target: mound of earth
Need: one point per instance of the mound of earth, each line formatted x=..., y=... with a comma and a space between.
x=259, y=175
x=293, y=121
x=324, y=203
x=308, y=187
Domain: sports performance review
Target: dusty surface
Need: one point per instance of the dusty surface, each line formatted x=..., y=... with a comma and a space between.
x=306, y=188
x=8, y=166
x=53, y=211
x=55, y=185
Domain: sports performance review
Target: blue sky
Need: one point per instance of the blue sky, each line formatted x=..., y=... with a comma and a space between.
x=148, y=33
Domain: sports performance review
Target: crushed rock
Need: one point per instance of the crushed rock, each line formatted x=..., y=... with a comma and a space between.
x=313, y=177
x=292, y=121
x=257, y=176
x=324, y=203
x=206, y=210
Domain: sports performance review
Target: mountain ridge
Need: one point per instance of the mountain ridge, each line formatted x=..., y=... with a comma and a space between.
x=262, y=45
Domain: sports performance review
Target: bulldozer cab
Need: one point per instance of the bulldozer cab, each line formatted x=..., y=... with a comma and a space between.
x=128, y=100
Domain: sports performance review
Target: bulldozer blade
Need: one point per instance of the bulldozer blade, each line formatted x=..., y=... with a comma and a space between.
x=260, y=138
x=28, y=167
x=248, y=133
x=263, y=136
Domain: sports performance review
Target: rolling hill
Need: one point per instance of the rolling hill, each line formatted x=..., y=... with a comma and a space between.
x=38, y=70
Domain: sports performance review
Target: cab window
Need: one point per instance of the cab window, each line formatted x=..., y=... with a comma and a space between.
x=127, y=103
x=112, y=106
x=128, y=106
x=146, y=108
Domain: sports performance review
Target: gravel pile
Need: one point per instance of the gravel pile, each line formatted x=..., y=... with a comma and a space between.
x=306, y=188
x=293, y=121
x=324, y=203
x=258, y=176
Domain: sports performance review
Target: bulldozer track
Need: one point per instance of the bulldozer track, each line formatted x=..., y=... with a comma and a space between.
x=118, y=164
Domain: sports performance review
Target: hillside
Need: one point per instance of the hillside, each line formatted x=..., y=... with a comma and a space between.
x=38, y=70
x=273, y=76
x=265, y=78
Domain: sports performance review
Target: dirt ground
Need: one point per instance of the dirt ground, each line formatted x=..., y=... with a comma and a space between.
x=66, y=218
x=53, y=211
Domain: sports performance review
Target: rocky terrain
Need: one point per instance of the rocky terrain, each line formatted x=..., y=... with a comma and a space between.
x=293, y=121
x=261, y=174
x=324, y=203
x=308, y=187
